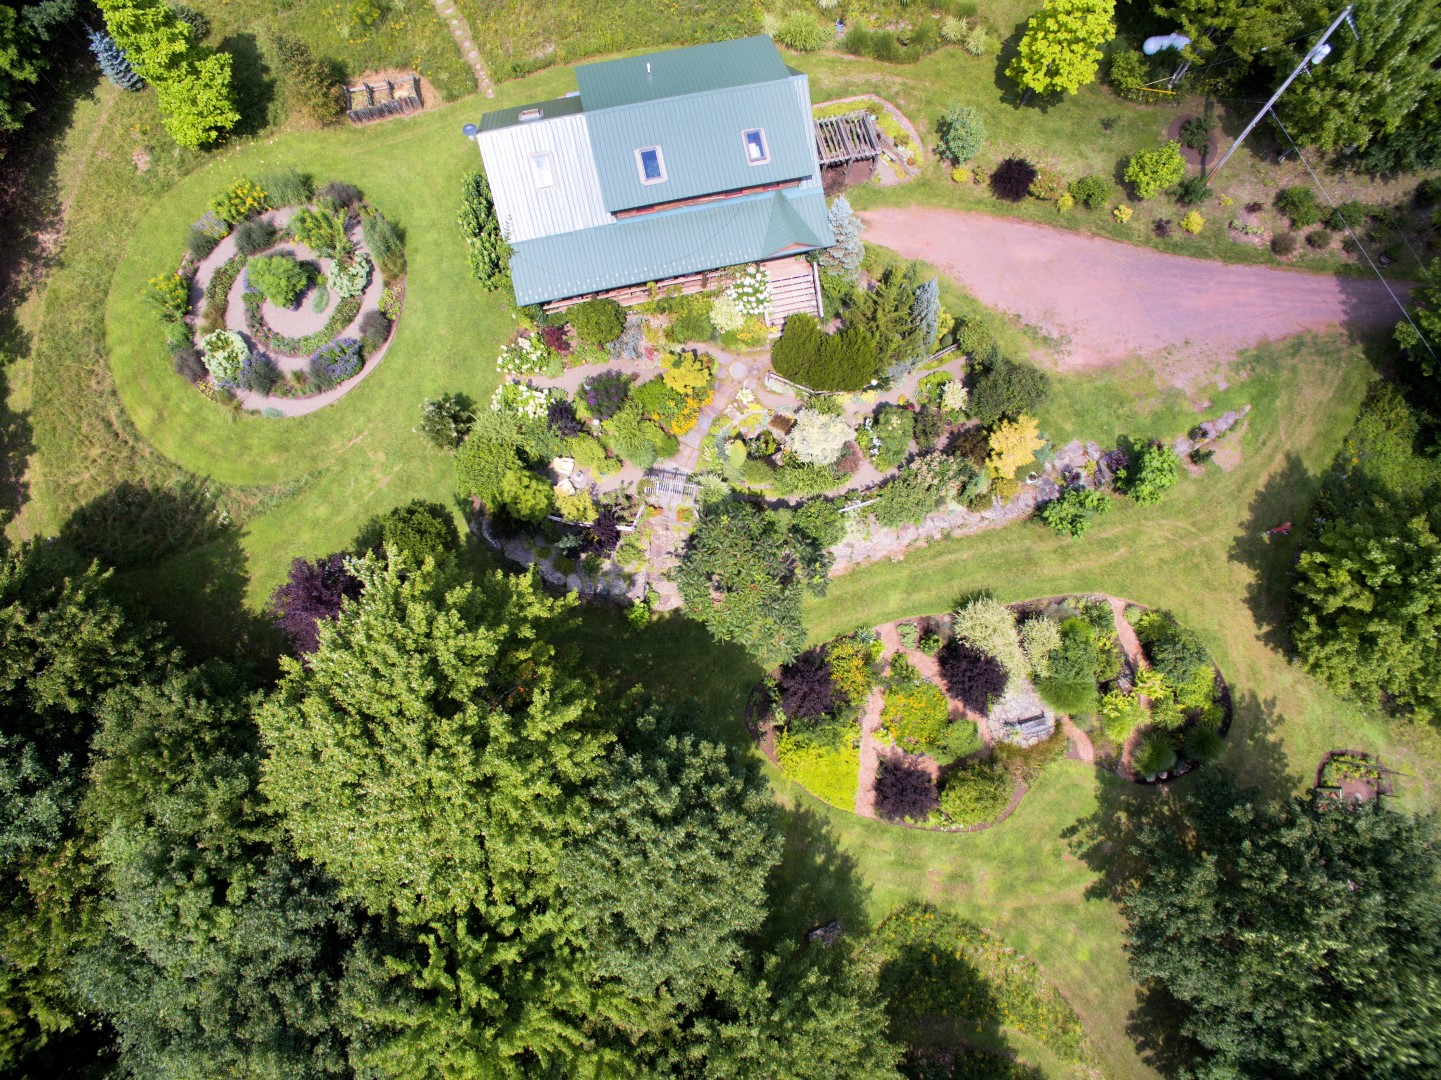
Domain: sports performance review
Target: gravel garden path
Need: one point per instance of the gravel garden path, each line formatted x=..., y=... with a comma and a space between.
x=296, y=321
x=1107, y=301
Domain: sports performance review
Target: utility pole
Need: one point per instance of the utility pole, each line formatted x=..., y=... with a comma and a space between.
x=1315, y=54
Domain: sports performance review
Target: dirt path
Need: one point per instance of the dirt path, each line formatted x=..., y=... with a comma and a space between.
x=460, y=29
x=1107, y=301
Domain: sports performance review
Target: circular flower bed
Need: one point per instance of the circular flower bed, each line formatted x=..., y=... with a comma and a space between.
x=945, y=722
x=299, y=292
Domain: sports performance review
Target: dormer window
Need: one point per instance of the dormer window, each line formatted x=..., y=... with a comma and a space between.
x=650, y=163
x=542, y=170
x=757, y=152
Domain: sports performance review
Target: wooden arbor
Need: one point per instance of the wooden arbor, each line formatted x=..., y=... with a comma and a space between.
x=849, y=145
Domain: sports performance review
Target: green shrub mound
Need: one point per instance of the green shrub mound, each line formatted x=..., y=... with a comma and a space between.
x=279, y=278
x=962, y=133
x=804, y=354
x=597, y=322
x=974, y=794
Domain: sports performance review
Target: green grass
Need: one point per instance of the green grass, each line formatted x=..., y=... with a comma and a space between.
x=412, y=36
x=520, y=36
x=295, y=487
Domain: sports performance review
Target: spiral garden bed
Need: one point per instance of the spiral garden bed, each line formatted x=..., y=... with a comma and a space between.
x=945, y=722
x=287, y=297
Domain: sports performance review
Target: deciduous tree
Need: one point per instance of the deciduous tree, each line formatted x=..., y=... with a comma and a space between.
x=1270, y=926
x=1061, y=46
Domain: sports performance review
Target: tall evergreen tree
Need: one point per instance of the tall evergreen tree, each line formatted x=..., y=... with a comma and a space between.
x=64, y=646
x=431, y=755
x=223, y=951
x=843, y=258
x=113, y=65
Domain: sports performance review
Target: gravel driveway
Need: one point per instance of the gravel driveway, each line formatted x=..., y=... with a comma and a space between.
x=1106, y=301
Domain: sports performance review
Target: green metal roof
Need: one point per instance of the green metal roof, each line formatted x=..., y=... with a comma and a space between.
x=700, y=140
x=694, y=70
x=652, y=247
x=561, y=106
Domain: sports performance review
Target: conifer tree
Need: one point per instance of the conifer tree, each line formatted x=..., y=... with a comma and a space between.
x=113, y=65
x=843, y=258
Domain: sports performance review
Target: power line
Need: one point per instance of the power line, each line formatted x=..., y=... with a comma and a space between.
x=1356, y=239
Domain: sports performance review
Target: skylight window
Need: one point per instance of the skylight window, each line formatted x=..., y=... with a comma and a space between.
x=757, y=152
x=650, y=163
x=542, y=171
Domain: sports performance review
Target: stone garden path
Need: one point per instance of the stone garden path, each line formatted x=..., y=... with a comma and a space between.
x=1106, y=301
x=460, y=30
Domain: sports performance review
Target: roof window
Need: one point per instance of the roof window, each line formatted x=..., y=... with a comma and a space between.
x=542, y=171
x=757, y=152
x=650, y=163
x=527, y=115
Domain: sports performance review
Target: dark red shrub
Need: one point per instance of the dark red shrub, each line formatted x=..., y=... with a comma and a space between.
x=313, y=591
x=972, y=678
x=849, y=461
x=563, y=421
x=970, y=444
x=806, y=689
x=603, y=536
x=1011, y=182
x=556, y=339
x=905, y=790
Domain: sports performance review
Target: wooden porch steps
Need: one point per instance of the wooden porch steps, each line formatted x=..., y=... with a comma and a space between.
x=792, y=291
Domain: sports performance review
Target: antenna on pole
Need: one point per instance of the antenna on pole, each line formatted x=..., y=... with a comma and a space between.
x=1314, y=55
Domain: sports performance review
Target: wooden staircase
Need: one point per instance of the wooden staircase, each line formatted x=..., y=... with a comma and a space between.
x=794, y=286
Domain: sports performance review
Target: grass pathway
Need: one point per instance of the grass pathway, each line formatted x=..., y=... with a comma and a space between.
x=460, y=30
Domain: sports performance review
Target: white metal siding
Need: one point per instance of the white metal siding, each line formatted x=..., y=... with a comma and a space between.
x=802, y=86
x=527, y=212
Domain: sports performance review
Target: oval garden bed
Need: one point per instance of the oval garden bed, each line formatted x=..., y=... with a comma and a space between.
x=287, y=296
x=944, y=722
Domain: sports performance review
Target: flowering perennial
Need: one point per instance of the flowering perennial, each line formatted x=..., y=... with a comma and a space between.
x=525, y=356
x=522, y=399
x=751, y=291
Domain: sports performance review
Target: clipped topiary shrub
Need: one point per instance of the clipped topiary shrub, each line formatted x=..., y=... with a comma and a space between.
x=279, y=278
x=599, y=321
x=1011, y=180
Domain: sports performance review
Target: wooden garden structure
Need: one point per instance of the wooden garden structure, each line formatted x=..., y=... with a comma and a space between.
x=849, y=145
x=381, y=100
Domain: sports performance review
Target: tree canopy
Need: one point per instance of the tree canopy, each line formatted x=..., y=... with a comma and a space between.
x=1060, y=49
x=1303, y=940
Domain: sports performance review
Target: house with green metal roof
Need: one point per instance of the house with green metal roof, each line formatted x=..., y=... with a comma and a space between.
x=662, y=170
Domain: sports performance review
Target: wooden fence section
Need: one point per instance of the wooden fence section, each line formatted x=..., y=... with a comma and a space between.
x=381, y=100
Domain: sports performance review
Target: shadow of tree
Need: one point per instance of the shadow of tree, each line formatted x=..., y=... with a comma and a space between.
x=177, y=562
x=1254, y=750
x=17, y=441
x=1286, y=496
x=254, y=88
x=815, y=881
